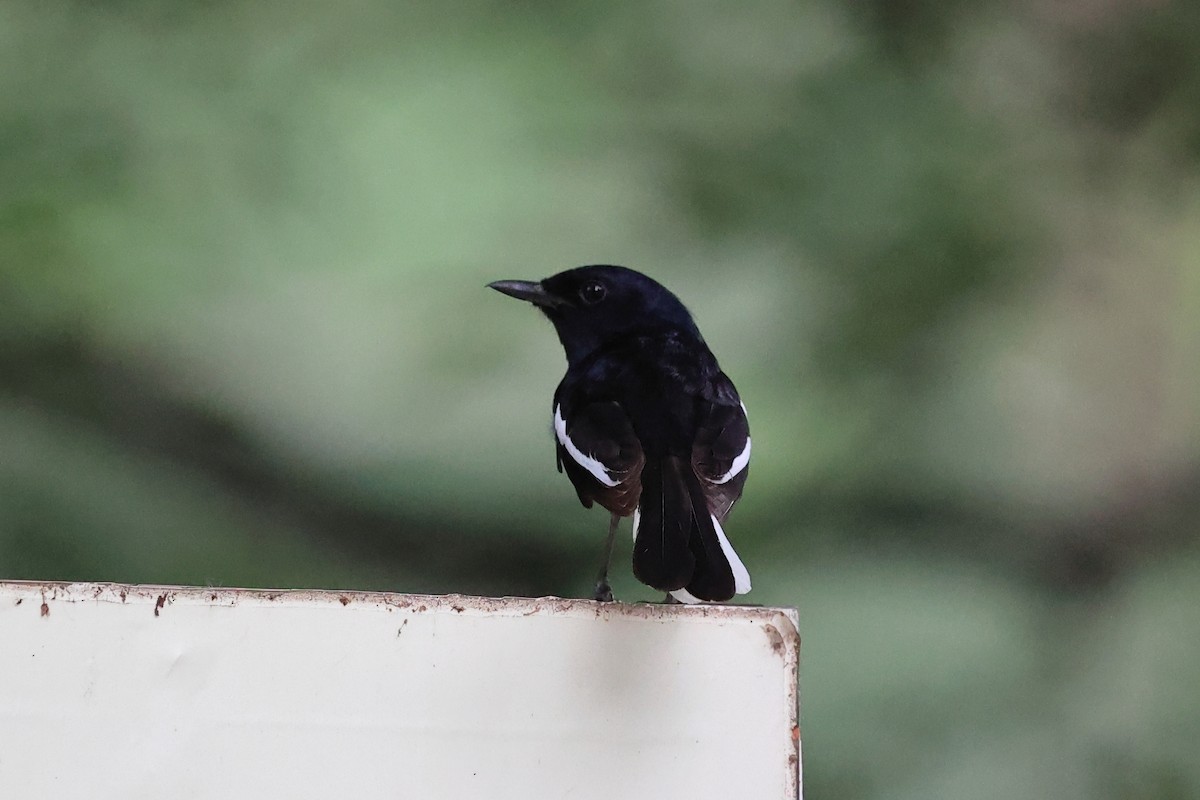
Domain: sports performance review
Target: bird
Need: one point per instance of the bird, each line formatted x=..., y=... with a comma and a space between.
x=647, y=425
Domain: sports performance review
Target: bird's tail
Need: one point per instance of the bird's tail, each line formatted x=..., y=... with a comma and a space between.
x=679, y=546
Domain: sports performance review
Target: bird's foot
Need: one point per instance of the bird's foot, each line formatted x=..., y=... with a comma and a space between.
x=670, y=600
x=602, y=593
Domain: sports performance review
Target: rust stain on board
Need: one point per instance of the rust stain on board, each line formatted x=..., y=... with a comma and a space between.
x=344, y=600
x=774, y=638
x=45, y=609
x=159, y=603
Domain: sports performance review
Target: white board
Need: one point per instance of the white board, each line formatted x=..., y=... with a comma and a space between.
x=152, y=692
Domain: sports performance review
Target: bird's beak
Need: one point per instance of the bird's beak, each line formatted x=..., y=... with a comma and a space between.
x=526, y=290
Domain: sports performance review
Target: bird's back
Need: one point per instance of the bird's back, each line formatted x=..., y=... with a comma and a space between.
x=661, y=379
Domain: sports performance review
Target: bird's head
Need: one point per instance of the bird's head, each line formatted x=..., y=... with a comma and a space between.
x=592, y=305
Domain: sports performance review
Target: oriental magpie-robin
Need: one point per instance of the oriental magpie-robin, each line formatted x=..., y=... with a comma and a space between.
x=646, y=424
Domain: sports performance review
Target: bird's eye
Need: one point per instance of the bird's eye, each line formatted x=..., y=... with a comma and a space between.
x=592, y=292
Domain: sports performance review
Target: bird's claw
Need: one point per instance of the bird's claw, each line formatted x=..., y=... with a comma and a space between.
x=603, y=593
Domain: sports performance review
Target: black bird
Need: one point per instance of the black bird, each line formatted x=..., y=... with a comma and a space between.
x=647, y=425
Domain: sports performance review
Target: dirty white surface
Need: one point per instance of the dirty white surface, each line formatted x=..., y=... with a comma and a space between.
x=139, y=691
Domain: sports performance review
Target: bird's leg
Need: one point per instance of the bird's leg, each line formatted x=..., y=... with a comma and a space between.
x=603, y=591
x=670, y=600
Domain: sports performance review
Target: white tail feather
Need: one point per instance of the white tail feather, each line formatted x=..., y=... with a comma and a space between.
x=684, y=596
x=741, y=576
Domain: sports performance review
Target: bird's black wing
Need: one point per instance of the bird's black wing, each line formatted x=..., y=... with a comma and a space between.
x=600, y=452
x=721, y=449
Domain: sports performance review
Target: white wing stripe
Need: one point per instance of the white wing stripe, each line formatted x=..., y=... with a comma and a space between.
x=738, y=465
x=587, y=462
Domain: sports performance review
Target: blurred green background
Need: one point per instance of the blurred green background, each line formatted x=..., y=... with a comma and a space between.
x=949, y=252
